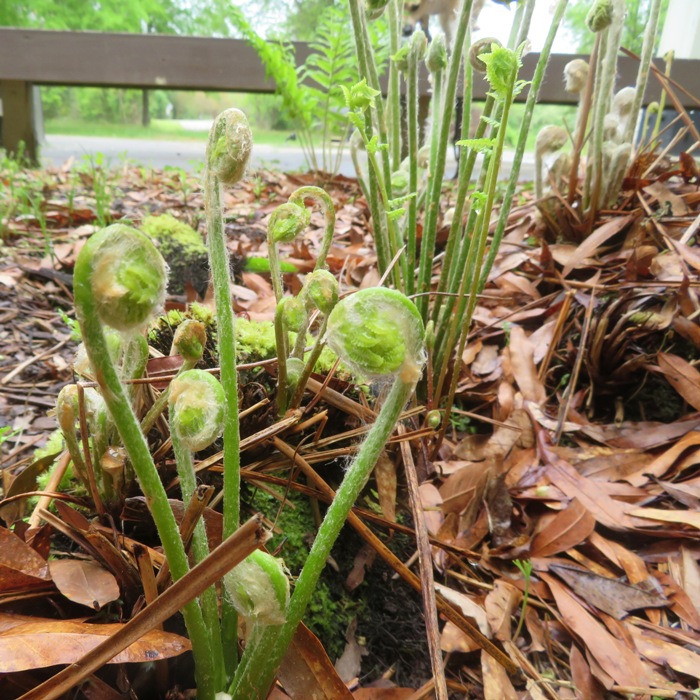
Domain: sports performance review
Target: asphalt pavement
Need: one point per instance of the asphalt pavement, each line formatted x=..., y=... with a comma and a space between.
x=189, y=155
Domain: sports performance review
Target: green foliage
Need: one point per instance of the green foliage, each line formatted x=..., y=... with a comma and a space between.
x=632, y=34
x=6, y=433
x=525, y=567
x=501, y=65
x=278, y=58
x=138, y=16
x=312, y=95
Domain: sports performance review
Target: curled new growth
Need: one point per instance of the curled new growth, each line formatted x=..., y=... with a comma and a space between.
x=378, y=332
x=197, y=408
x=128, y=276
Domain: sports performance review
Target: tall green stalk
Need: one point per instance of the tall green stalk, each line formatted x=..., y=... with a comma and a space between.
x=120, y=280
x=438, y=167
x=379, y=333
x=485, y=266
x=196, y=413
x=228, y=150
x=643, y=73
x=502, y=72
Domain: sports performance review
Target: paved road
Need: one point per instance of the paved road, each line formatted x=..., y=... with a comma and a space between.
x=190, y=154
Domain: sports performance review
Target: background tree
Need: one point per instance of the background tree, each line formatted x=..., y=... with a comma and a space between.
x=293, y=20
x=187, y=17
x=633, y=33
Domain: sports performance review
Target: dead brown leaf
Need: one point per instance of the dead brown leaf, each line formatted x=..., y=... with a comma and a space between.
x=568, y=528
x=682, y=376
x=683, y=517
x=84, y=582
x=592, y=243
x=20, y=565
x=616, y=659
x=307, y=672
x=28, y=643
x=607, y=594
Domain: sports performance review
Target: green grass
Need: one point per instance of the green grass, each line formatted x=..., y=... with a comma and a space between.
x=160, y=129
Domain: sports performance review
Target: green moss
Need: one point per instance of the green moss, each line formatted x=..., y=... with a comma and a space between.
x=183, y=249
x=332, y=608
x=53, y=445
x=255, y=340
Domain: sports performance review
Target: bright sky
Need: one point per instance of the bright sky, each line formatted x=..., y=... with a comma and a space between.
x=495, y=20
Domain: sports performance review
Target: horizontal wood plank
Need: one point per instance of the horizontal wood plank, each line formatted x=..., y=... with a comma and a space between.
x=200, y=63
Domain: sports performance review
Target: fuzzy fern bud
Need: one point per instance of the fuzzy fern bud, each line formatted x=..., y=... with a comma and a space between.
x=287, y=222
x=433, y=419
x=378, y=332
x=321, y=291
x=375, y=8
x=477, y=49
x=229, y=146
x=292, y=313
x=196, y=405
x=418, y=45
x=575, y=75
x=550, y=139
x=125, y=275
x=399, y=182
x=259, y=588
x=190, y=339
x=600, y=16
x=67, y=408
x=623, y=101
x=400, y=58
x=437, y=54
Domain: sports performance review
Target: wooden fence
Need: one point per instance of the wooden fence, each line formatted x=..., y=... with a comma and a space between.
x=150, y=61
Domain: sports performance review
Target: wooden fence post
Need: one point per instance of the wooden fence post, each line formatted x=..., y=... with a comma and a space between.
x=18, y=126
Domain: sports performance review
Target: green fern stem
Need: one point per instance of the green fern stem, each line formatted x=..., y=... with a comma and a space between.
x=87, y=305
x=413, y=130
x=464, y=174
x=469, y=288
x=438, y=168
x=520, y=146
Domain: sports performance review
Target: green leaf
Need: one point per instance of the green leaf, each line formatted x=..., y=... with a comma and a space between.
x=478, y=145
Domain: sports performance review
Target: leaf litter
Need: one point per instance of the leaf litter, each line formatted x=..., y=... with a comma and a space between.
x=574, y=446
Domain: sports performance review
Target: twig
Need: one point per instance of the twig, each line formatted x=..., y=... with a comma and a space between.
x=31, y=360
x=444, y=606
x=426, y=570
x=229, y=553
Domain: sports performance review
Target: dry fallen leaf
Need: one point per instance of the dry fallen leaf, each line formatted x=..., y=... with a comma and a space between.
x=28, y=643
x=307, y=672
x=20, y=565
x=568, y=528
x=607, y=594
x=685, y=517
x=84, y=582
x=682, y=376
x=615, y=658
x=497, y=685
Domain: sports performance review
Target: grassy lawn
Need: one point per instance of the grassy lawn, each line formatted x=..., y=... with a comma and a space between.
x=160, y=129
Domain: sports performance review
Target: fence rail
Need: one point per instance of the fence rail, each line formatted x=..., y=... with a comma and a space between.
x=152, y=61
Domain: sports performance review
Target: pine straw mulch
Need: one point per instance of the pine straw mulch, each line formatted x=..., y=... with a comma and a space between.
x=574, y=447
